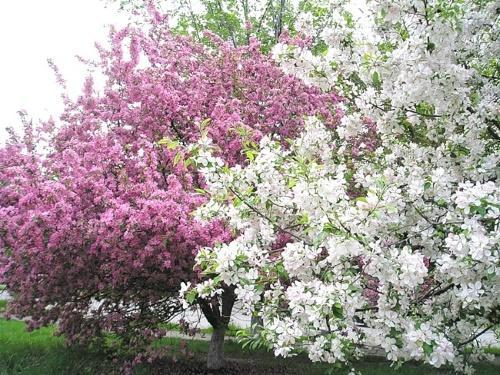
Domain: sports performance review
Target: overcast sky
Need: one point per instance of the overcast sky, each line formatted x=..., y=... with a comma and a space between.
x=32, y=31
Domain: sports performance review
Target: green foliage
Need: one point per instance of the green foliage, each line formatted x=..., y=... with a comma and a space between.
x=251, y=341
x=237, y=21
x=232, y=20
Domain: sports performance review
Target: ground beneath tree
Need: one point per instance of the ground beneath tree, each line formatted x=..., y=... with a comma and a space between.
x=232, y=367
x=296, y=366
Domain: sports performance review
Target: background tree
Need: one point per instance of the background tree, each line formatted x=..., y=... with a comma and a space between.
x=237, y=21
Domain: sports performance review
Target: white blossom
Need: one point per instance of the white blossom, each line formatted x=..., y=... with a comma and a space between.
x=391, y=219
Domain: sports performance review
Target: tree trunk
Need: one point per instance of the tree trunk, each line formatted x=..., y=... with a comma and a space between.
x=215, y=358
x=218, y=313
x=278, y=27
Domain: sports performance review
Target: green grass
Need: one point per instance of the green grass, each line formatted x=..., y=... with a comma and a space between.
x=3, y=305
x=493, y=350
x=40, y=352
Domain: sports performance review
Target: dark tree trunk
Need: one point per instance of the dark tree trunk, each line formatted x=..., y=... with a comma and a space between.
x=218, y=314
x=215, y=358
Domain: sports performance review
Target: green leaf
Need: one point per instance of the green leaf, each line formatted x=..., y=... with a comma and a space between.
x=424, y=109
x=431, y=46
x=441, y=202
x=304, y=219
x=428, y=349
x=240, y=259
x=348, y=175
x=171, y=144
x=348, y=19
x=191, y=296
x=481, y=210
x=377, y=83
x=237, y=202
x=403, y=31
x=280, y=270
x=177, y=158
x=329, y=228
x=337, y=311
x=381, y=183
x=250, y=154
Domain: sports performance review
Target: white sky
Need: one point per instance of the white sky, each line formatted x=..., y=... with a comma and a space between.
x=32, y=31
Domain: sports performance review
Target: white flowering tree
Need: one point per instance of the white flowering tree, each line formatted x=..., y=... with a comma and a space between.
x=381, y=232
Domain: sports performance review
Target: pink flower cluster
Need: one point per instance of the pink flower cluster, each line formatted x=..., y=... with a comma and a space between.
x=96, y=225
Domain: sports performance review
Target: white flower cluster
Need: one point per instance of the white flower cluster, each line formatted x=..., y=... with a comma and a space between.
x=384, y=231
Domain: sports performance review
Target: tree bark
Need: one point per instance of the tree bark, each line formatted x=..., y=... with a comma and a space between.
x=278, y=28
x=215, y=358
x=218, y=313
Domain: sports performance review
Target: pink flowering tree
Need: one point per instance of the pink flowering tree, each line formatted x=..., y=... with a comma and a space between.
x=96, y=225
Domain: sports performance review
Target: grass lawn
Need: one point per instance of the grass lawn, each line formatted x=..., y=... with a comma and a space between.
x=40, y=352
x=3, y=305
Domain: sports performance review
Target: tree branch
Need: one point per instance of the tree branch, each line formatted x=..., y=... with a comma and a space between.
x=476, y=336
